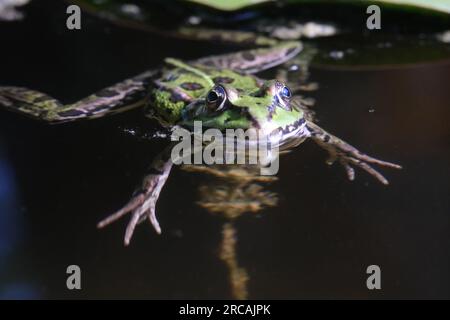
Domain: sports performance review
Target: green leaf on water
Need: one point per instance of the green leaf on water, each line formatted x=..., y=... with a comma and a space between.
x=230, y=5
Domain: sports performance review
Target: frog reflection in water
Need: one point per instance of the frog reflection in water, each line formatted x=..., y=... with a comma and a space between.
x=222, y=91
x=236, y=189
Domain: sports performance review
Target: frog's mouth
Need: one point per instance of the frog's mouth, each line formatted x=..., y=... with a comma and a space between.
x=240, y=119
x=284, y=133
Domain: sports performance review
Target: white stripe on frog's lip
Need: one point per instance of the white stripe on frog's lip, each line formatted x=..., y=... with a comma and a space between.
x=296, y=130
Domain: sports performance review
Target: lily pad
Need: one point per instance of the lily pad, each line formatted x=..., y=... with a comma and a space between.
x=230, y=5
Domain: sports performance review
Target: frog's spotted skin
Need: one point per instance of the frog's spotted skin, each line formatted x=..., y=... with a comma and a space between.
x=177, y=88
x=251, y=61
x=123, y=96
x=221, y=91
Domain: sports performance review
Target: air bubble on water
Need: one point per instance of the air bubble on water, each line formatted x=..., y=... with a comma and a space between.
x=294, y=67
x=144, y=134
x=313, y=30
x=131, y=10
x=444, y=36
x=336, y=54
x=130, y=131
x=160, y=134
x=194, y=20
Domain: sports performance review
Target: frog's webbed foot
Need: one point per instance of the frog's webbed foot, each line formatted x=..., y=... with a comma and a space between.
x=142, y=204
x=347, y=155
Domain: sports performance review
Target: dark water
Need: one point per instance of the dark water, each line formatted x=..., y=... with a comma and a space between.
x=57, y=182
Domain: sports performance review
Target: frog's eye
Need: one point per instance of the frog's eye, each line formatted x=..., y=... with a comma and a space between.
x=284, y=95
x=285, y=92
x=212, y=97
x=216, y=98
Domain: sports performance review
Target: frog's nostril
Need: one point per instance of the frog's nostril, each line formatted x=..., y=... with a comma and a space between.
x=259, y=93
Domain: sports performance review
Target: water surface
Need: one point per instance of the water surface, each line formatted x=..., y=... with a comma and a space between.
x=57, y=182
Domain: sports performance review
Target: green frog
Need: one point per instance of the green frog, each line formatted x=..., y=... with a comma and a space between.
x=222, y=91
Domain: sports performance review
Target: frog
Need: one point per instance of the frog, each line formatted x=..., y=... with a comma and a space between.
x=222, y=91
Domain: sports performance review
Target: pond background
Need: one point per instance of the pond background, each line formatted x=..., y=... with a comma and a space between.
x=57, y=182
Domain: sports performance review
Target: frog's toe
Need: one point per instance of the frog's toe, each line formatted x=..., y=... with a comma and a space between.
x=142, y=204
x=348, y=169
x=131, y=205
x=363, y=165
x=140, y=214
x=141, y=209
x=348, y=155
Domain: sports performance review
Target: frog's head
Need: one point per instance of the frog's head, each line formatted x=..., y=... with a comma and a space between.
x=266, y=107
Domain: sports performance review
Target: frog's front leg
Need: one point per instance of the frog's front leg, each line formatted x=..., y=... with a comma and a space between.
x=120, y=97
x=142, y=204
x=346, y=154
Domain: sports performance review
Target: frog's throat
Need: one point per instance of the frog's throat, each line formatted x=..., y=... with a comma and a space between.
x=180, y=64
